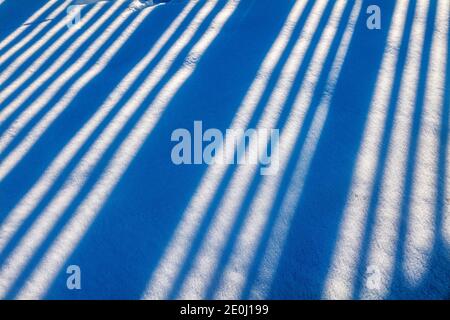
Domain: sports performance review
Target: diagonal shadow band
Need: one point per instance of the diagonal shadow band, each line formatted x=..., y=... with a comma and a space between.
x=26, y=25
x=206, y=260
x=29, y=202
x=19, y=151
x=170, y=264
x=8, y=274
x=79, y=223
x=5, y=93
x=31, y=38
x=265, y=197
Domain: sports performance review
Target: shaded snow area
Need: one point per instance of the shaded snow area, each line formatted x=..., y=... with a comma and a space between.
x=94, y=206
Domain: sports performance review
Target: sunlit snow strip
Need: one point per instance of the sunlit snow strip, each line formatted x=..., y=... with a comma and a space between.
x=14, y=264
x=384, y=239
x=162, y=279
x=446, y=180
x=206, y=260
x=422, y=221
x=29, y=202
x=446, y=204
x=38, y=43
x=52, y=114
x=57, y=64
x=339, y=282
x=36, y=105
x=75, y=229
x=27, y=24
x=236, y=272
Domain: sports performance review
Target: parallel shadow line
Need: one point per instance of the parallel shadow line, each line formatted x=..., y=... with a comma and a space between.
x=30, y=38
x=277, y=238
x=171, y=263
x=26, y=25
x=385, y=236
x=57, y=64
x=23, y=252
x=15, y=155
x=31, y=70
x=338, y=284
x=29, y=202
x=205, y=262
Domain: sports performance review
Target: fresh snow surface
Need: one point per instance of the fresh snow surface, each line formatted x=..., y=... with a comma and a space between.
x=359, y=208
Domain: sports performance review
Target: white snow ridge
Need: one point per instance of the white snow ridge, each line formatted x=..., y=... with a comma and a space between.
x=135, y=138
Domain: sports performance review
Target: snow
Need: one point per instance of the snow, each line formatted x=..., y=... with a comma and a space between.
x=358, y=210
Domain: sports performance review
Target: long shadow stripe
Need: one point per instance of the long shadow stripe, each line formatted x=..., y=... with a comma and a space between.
x=164, y=276
x=421, y=233
x=27, y=24
x=268, y=265
x=13, y=157
x=18, y=259
x=385, y=236
x=199, y=276
x=87, y=211
x=338, y=284
x=30, y=38
x=57, y=64
x=29, y=202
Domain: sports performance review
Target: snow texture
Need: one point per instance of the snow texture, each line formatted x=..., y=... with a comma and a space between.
x=360, y=206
